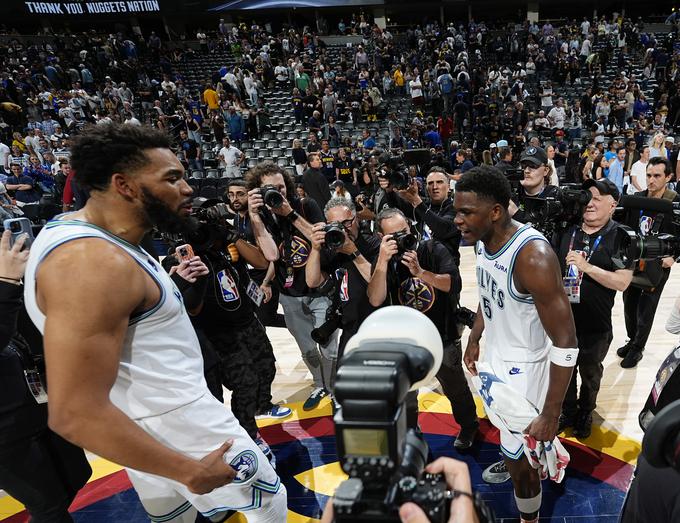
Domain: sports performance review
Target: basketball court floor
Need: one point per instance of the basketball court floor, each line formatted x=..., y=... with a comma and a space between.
x=593, y=490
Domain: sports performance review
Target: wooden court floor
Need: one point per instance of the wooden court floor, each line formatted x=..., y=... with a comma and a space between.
x=304, y=444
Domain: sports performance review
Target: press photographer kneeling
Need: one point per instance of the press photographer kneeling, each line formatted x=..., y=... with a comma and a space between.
x=593, y=269
x=424, y=277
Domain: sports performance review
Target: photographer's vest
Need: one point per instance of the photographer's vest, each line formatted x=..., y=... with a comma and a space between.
x=161, y=367
x=512, y=327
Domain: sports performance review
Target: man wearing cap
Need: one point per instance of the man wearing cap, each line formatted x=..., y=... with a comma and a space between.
x=592, y=274
x=534, y=163
x=672, y=153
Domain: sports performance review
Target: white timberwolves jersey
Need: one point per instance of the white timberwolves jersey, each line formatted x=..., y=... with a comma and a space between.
x=161, y=368
x=513, y=330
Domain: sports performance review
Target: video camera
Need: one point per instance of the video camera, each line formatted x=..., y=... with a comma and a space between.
x=208, y=229
x=385, y=461
x=553, y=214
x=661, y=444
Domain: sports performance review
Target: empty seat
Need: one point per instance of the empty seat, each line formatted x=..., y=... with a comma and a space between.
x=197, y=173
x=212, y=173
x=208, y=192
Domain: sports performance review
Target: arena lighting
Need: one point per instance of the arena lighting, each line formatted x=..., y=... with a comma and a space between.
x=289, y=4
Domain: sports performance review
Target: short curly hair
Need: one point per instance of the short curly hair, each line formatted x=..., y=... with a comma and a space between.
x=102, y=150
x=254, y=177
x=488, y=183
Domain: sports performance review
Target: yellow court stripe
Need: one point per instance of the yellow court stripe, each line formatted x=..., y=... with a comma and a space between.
x=323, y=479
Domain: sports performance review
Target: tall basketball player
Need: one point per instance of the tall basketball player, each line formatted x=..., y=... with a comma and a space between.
x=123, y=361
x=525, y=313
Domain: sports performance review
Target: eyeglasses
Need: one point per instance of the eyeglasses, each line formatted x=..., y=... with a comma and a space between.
x=348, y=223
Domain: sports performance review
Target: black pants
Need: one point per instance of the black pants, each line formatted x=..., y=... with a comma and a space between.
x=248, y=369
x=639, y=308
x=44, y=473
x=455, y=387
x=593, y=348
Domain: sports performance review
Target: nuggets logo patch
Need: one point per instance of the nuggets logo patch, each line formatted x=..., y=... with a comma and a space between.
x=415, y=293
x=299, y=252
x=245, y=465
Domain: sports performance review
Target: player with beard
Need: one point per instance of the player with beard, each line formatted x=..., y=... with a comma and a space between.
x=123, y=361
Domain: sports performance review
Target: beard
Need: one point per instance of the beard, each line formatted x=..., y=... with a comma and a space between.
x=159, y=214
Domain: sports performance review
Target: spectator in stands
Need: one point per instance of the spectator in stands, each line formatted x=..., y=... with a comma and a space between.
x=24, y=186
x=231, y=159
x=638, y=172
x=315, y=182
x=236, y=125
x=190, y=150
x=299, y=157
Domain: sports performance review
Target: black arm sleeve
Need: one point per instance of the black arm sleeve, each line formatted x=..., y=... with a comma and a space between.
x=10, y=305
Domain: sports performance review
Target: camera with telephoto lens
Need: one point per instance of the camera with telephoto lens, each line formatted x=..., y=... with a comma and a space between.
x=384, y=460
x=271, y=196
x=661, y=444
x=335, y=235
x=405, y=241
x=395, y=170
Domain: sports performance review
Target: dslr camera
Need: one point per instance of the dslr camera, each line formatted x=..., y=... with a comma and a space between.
x=406, y=241
x=271, y=196
x=395, y=170
x=335, y=235
x=384, y=461
x=209, y=229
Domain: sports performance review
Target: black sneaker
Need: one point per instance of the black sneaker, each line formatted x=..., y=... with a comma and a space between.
x=466, y=437
x=314, y=398
x=622, y=351
x=632, y=358
x=496, y=473
x=567, y=419
x=584, y=424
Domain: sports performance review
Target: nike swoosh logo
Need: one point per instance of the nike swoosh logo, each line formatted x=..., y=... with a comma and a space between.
x=514, y=371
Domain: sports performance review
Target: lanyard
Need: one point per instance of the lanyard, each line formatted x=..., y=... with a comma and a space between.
x=241, y=224
x=595, y=245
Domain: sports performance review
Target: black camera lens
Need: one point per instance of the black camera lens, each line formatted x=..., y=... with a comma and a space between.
x=405, y=241
x=335, y=235
x=271, y=196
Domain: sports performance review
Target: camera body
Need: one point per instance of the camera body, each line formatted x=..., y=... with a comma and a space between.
x=406, y=241
x=335, y=235
x=551, y=215
x=271, y=196
x=208, y=229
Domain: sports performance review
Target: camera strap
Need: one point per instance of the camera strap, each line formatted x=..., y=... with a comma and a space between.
x=34, y=376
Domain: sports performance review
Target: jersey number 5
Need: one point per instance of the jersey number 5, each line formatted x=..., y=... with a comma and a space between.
x=486, y=305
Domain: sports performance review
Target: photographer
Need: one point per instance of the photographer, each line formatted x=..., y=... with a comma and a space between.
x=534, y=163
x=220, y=297
x=457, y=477
x=283, y=229
x=592, y=275
x=642, y=297
x=37, y=467
x=349, y=265
x=435, y=219
x=424, y=276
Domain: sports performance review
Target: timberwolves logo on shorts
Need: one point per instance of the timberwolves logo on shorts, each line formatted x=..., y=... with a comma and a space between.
x=415, y=293
x=299, y=252
x=245, y=465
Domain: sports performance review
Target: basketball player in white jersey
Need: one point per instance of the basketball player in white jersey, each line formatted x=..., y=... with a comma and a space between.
x=524, y=311
x=123, y=361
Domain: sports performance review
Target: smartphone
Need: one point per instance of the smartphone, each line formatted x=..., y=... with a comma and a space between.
x=184, y=252
x=19, y=226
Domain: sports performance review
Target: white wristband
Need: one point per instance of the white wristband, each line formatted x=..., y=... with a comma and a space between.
x=563, y=357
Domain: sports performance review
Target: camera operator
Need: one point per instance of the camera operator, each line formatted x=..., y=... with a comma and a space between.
x=435, y=219
x=534, y=163
x=221, y=304
x=283, y=229
x=349, y=265
x=424, y=276
x=505, y=163
x=592, y=275
x=37, y=467
x=642, y=297
x=457, y=477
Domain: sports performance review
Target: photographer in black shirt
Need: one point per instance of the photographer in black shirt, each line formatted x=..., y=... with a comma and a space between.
x=425, y=277
x=434, y=219
x=283, y=230
x=349, y=265
x=649, y=279
x=38, y=468
x=593, y=273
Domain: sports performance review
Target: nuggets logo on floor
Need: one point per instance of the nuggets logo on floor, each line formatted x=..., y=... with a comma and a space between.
x=245, y=465
x=415, y=293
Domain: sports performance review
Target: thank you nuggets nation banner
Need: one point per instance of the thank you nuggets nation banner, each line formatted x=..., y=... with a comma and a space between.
x=92, y=7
